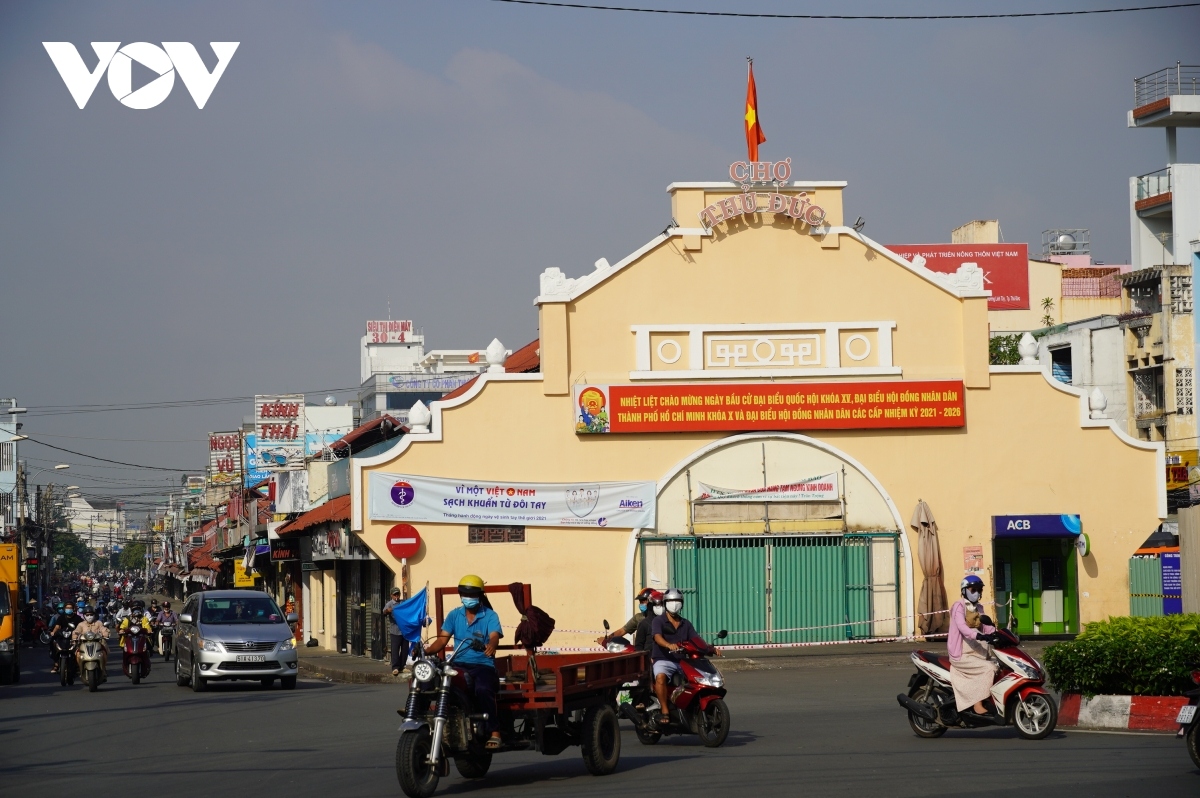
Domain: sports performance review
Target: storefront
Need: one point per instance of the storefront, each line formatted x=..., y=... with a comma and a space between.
x=1036, y=571
x=748, y=408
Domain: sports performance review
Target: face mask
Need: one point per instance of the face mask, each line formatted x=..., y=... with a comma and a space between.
x=641, y=608
x=658, y=609
x=89, y=618
x=69, y=612
x=973, y=596
x=469, y=602
x=674, y=607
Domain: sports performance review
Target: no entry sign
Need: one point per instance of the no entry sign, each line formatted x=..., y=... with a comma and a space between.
x=403, y=541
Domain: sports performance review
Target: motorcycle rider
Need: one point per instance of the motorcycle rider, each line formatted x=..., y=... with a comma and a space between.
x=631, y=626
x=90, y=624
x=65, y=622
x=165, y=617
x=123, y=614
x=475, y=622
x=136, y=618
x=971, y=672
x=670, y=631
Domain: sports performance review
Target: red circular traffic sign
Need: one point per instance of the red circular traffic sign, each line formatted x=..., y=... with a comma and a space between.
x=403, y=541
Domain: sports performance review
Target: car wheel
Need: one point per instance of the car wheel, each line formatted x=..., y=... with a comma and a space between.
x=287, y=682
x=199, y=683
x=181, y=676
x=266, y=682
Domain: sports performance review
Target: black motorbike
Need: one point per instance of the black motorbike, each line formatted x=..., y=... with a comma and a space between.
x=1189, y=719
x=64, y=650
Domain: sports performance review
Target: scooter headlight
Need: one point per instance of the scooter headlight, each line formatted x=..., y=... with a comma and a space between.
x=423, y=671
x=710, y=679
x=1028, y=671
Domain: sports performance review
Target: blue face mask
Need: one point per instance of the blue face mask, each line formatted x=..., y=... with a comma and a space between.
x=470, y=602
x=69, y=612
x=641, y=608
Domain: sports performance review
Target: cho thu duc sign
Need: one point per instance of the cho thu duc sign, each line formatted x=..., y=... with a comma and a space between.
x=768, y=406
x=406, y=497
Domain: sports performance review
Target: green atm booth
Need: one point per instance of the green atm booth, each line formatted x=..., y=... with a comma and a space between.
x=1036, y=572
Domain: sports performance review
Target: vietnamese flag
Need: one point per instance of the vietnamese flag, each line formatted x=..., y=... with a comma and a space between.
x=754, y=133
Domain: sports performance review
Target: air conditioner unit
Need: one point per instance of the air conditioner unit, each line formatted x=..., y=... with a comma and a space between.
x=197, y=540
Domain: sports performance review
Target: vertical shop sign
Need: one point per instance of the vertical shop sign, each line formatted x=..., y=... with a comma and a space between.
x=224, y=459
x=1172, y=582
x=279, y=431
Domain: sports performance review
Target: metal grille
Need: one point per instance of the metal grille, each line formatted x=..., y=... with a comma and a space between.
x=1181, y=294
x=1145, y=587
x=269, y=665
x=250, y=646
x=1183, y=391
x=1145, y=397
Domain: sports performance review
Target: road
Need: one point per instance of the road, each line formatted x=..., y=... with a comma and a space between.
x=819, y=730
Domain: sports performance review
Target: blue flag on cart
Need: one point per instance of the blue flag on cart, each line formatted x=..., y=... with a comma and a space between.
x=410, y=615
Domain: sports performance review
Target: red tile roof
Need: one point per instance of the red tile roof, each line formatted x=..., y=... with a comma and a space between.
x=333, y=510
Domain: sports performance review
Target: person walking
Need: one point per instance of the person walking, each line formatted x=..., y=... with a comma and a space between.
x=399, y=646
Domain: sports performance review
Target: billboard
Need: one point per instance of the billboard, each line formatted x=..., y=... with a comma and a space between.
x=254, y=474
x=389, y=331
x=224, y=460
x=279, y=431
x=1005, y=267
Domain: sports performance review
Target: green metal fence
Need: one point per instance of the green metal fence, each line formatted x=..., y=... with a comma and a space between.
x=1145, y=587
x=778, y=588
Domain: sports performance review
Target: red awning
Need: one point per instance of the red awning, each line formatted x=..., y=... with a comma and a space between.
x=333, y=510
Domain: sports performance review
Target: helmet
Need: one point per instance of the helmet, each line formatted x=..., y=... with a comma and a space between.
x=970, y=582
x=59, y=606
x=166, y=605
x=644, y=593
x=673, y=596
x=470, y=585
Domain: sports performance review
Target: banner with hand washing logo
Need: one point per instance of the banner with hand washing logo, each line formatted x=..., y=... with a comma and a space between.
x=406, y=497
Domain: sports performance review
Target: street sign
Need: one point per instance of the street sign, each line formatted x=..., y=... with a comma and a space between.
x=403, y=541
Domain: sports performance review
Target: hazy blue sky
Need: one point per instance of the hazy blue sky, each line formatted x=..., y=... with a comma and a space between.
x=442, y=154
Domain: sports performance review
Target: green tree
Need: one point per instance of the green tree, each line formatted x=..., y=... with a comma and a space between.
x=74, y=552
x=133, y=556
x=1002, y=350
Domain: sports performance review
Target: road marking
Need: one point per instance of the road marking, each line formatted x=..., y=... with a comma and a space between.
x=1164, y=735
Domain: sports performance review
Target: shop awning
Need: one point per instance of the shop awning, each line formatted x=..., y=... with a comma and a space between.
x=1066, y=525
x=333, y=510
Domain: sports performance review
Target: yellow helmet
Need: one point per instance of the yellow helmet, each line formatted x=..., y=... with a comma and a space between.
x=470, y=585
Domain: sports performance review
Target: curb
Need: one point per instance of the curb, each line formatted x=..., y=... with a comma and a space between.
x=1121, y=712
x=347, y=677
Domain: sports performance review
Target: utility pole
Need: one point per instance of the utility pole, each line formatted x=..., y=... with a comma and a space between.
x=22, y=498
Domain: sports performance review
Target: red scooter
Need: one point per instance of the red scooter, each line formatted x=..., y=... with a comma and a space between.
x=697, y=696
x=135, y=653
x=1018, y=694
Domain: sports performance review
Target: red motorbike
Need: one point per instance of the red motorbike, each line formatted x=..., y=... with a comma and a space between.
x=135, y=653
x=1018, y=696
x=697, y=696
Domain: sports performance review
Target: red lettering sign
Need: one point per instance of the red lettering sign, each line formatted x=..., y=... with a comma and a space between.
x=1005, y=267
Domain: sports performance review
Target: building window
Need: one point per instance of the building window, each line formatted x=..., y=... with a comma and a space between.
x=1145, y=298
x=1183, y=391
x=6, y=510
x=1060, y=364
x=495, y=534
x=6, y=457
x=1181, y=294
x=1147, y=390
x=405, y=400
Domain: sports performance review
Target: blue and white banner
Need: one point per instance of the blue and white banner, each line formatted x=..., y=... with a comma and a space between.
x=405, y=497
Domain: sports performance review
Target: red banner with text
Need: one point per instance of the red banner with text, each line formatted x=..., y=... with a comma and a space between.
x=758, y=406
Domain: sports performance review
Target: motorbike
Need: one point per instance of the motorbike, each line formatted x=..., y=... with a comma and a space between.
x=91, y=656
x=697, y=696
x=1189, y=719
x=1018, y=694
x=64, y=648
x=135, y=654
x=38, y=631
x=166, y=640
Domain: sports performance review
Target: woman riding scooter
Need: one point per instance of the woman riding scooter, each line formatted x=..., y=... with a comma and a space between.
x=971, y=672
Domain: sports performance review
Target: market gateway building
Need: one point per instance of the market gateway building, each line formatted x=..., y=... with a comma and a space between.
x=749, y=407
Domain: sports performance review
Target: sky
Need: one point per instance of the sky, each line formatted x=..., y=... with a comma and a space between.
x=428, y=160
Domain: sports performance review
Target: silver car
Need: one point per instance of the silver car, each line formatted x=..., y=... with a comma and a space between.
x=234, y=634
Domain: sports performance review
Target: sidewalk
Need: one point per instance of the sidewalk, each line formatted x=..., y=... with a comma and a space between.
x=333, y=666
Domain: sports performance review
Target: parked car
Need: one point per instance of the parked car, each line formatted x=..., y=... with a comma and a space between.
x=234, y=634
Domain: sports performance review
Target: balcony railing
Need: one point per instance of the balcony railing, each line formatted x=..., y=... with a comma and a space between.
x=1159, y=85
x=1153, y=184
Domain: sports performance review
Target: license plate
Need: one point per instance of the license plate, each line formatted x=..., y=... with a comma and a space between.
x=251, y=657
x=1186, y=715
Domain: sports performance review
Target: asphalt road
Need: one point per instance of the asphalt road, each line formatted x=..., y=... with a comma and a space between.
x=832, y=730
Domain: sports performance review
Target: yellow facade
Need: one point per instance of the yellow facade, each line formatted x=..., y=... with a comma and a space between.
x=1028, y=445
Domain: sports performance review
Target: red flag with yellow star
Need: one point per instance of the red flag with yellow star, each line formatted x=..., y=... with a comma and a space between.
x=754, y=132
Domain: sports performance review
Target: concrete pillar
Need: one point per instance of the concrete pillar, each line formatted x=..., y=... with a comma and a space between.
x=1189, y=557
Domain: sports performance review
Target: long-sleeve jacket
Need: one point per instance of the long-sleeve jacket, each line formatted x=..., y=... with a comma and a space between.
x=95, y=626
x=959, y=628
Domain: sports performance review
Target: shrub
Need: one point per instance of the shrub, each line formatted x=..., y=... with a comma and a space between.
x=1002, y=350
x=1128, y=656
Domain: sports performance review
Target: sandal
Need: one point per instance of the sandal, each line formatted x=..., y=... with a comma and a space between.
x=493, y=743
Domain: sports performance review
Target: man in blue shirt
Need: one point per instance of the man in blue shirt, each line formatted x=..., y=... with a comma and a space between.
x=475, y=622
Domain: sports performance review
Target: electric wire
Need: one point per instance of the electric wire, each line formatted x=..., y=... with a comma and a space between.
x=875, y=17
x=106, y=460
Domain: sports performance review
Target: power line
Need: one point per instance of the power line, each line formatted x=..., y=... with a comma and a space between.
x=908, y=17
x=59, y=410
x=106, y=460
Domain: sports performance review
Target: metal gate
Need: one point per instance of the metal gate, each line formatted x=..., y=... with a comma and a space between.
x=785, y=588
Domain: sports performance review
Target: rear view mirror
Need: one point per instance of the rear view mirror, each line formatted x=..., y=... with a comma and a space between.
x=724, y=633
x=292, y=617
x=606, y=624
x=185, y=617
